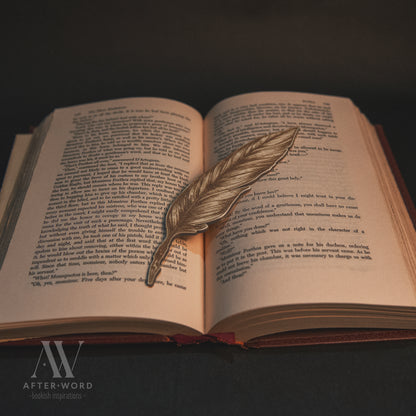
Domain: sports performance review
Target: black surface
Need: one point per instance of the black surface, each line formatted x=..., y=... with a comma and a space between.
x=56, y=54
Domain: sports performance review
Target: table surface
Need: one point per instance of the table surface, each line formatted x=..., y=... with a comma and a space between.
x=56, y=54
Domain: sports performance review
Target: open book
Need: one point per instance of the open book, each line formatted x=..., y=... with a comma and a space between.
x=322, y=241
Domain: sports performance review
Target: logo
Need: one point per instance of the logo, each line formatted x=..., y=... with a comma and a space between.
x=68, y=369
x=54, y=375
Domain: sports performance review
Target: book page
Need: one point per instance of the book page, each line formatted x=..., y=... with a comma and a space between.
x=314, y=230
x=93, y=215
x=20, y=146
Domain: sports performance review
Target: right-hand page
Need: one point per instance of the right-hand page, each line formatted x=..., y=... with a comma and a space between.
x=316, y=229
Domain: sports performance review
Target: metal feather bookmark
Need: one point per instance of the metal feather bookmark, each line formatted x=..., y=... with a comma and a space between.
x=211, y=196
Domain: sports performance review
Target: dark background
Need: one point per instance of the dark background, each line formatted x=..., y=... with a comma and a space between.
x=55, y=54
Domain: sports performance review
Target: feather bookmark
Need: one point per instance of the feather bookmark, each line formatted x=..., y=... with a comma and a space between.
x=211, y=196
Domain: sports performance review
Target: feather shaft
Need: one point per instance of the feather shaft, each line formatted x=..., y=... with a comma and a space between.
x=211, y=196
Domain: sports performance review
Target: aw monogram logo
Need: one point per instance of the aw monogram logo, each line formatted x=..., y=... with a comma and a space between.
x=53, y=377
x=64, y=363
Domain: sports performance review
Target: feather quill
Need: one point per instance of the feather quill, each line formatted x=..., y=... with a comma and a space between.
x=211, y=196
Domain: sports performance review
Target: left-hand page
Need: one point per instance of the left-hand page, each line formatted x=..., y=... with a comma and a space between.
x=93, y=215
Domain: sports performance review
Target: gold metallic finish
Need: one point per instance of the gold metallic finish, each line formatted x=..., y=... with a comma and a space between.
x=211, y=196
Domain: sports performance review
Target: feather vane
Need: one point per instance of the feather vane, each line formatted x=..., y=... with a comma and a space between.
x=211, y=196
